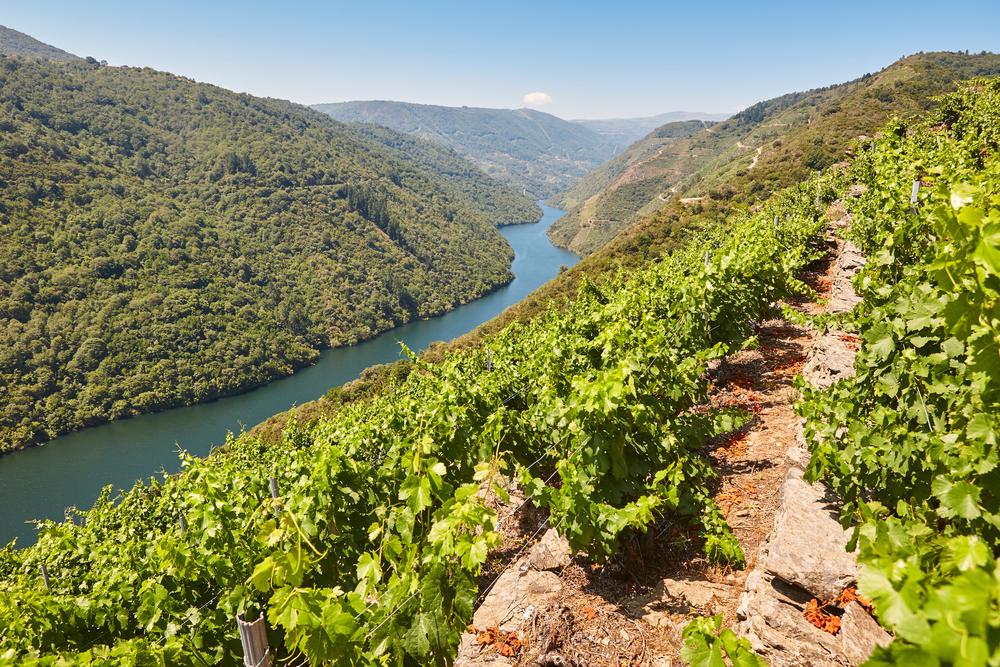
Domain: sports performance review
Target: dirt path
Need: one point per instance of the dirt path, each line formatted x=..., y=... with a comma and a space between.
x=756, y=155
x=631, y=610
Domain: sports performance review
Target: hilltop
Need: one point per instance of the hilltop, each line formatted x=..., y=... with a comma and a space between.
x=529, y=149
x=166, y=242
x=624, y=131
x=14, y=43
x=740, y=161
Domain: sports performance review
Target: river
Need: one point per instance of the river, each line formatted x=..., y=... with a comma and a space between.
x=41, y=482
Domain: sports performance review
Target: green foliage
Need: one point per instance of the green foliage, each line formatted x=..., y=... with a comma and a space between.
x=910, y=442
x=708, y=644
x=166, y=242
x=14, y=43
x=372, y=550
x=526, y=148
x=637, y=195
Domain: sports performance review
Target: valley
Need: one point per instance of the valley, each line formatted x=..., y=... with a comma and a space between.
x=385, y=383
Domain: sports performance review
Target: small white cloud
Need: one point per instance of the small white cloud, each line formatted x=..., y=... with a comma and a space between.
x=536, y=99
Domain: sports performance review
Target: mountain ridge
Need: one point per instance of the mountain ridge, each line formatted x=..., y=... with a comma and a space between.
x=743, y=159
x=16, y=43
x=628, y=130
x=530, y=149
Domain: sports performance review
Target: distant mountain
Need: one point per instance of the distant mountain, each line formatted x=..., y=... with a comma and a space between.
x=530, y=149
x=166, y=242
x=14, y=43
x=667, y=183
x=624, y=131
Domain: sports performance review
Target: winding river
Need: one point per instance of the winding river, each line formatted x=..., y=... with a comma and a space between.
x=42, y=481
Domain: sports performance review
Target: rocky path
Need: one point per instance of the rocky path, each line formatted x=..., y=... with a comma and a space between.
x=547, y=608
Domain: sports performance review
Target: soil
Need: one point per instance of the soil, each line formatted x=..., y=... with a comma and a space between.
x=631, y=610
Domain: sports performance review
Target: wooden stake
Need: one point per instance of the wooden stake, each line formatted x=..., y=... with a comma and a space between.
x=45, y=576
x=274, y=495
x=183, y=522
x=489, y=360
x=253, y=637
x=914, y=192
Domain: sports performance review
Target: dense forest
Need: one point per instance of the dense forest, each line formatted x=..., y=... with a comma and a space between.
x=164, y=242
x=529, y=149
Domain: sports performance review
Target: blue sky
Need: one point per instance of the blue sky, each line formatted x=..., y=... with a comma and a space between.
x=593, y=59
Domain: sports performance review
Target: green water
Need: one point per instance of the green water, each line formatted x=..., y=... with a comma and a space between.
x=70, y=471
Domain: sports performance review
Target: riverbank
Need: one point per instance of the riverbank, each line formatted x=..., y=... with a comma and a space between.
x=73, y=468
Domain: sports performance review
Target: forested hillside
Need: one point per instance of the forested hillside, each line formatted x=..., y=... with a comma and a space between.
x=529, y=149
x=14, y=43
x=164, y=242
x=743, y=159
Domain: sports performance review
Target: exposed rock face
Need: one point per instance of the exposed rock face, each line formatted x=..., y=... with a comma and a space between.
x=772, y=618
x=512, y=602
x=516, y=594
x=860, y=634
x=806, y=555
x=842, y=295
x=830, y=359
x=808, y=547
x=805, y=558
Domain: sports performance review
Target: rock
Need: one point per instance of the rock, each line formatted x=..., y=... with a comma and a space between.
x=849, y=261
x=514, y=592
x=771, y=618
x=551, y=553
x=860, y=634
x=836, y=212
x=798, y=456
x=509, y=605
x=677, y=596
x=830, y=360
x=807, y=547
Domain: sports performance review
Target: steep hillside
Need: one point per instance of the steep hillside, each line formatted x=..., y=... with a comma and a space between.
x=166, y=242
x=625, y=131
x=764, y=147
x=624, y=168
x=14, y=43
x=529, y=149
x=497, y=201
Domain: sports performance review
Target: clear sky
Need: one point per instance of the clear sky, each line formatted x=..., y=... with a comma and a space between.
x=586, y=59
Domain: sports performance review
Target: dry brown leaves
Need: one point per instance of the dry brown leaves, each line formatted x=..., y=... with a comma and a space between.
x=853, y=342
x=850, y=595
x=817, y=611
x=507, y=644
x=817, y=614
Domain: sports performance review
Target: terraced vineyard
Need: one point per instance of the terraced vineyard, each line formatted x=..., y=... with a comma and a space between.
x=910, y=443
x=369, y=549
x=372, y=549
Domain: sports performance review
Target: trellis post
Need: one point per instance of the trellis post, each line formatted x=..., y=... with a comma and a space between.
x=253, y=637
x=274, y=495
